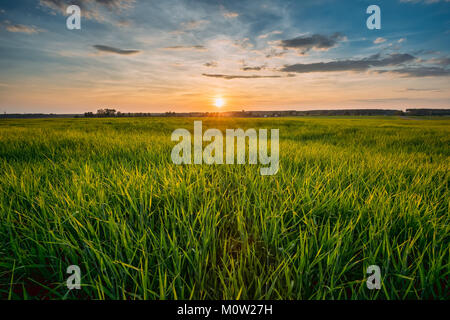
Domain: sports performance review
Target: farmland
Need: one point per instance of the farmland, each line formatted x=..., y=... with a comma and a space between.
x=104, y=194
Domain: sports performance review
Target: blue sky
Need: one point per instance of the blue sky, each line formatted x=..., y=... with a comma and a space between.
x=182, y=55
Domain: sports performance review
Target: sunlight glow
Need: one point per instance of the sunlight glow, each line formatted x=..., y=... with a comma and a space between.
x=219, y=102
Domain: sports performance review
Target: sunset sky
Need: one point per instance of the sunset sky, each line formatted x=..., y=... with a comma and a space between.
x=199, y=55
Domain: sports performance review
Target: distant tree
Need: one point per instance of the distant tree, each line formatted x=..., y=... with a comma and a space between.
x=110, y=112
x=106, y=112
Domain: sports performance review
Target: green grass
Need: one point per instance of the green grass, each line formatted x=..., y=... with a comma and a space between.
x=103, y=194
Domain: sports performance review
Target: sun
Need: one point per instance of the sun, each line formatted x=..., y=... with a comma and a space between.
x=219, y=102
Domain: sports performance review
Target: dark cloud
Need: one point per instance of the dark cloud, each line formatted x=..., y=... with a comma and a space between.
x=198, y=48
x=419, y=72
x=315, y=42
x=115, y=50
x=259, y=68
x=425, y=52
x=396, y=59
x=420, y=90
x=381, y=100
x=211, y=64
x=442, y=61
x=231, y=77
x=350, y=65
x=275, y=54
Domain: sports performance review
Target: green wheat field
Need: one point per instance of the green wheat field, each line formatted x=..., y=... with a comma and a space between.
x=104, y=194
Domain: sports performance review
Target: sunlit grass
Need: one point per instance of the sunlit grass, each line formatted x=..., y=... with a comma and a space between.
x=103, y=194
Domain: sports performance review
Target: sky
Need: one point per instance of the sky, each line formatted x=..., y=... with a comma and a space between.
x=196, y=55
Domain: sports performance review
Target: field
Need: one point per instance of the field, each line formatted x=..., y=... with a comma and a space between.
x=104, y=194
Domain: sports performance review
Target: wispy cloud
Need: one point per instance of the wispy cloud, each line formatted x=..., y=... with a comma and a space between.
x=190, y=26
x=422, y=90
x=228, y=14
x=231, y=15
x=419, y=72
x=21, y=28
x=266, y=35
x=272, y=53
x=231, y=77
x=194, y=24
x=379, y=40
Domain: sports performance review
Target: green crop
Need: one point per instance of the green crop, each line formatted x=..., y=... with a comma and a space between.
x=104, y=194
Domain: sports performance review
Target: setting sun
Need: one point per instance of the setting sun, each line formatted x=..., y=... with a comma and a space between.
x=219, y=102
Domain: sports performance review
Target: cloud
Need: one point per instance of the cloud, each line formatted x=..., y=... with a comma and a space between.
x=379, y=40
x=350, y=65
x=231, y=77
x=313, y=42
x=441, y=61
x=401, y=40
x=420, y=90
x=123, y=23
x=22, y=28
x=109, y=49
x=425, y=52
x=190, y=25
x=194, y=24
x=228, y=14
x=381, y=100
x=247, y=68
x=275, y=54
x=231, y=15
x=266, y=35
x=419, y=72
x=183, y=48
